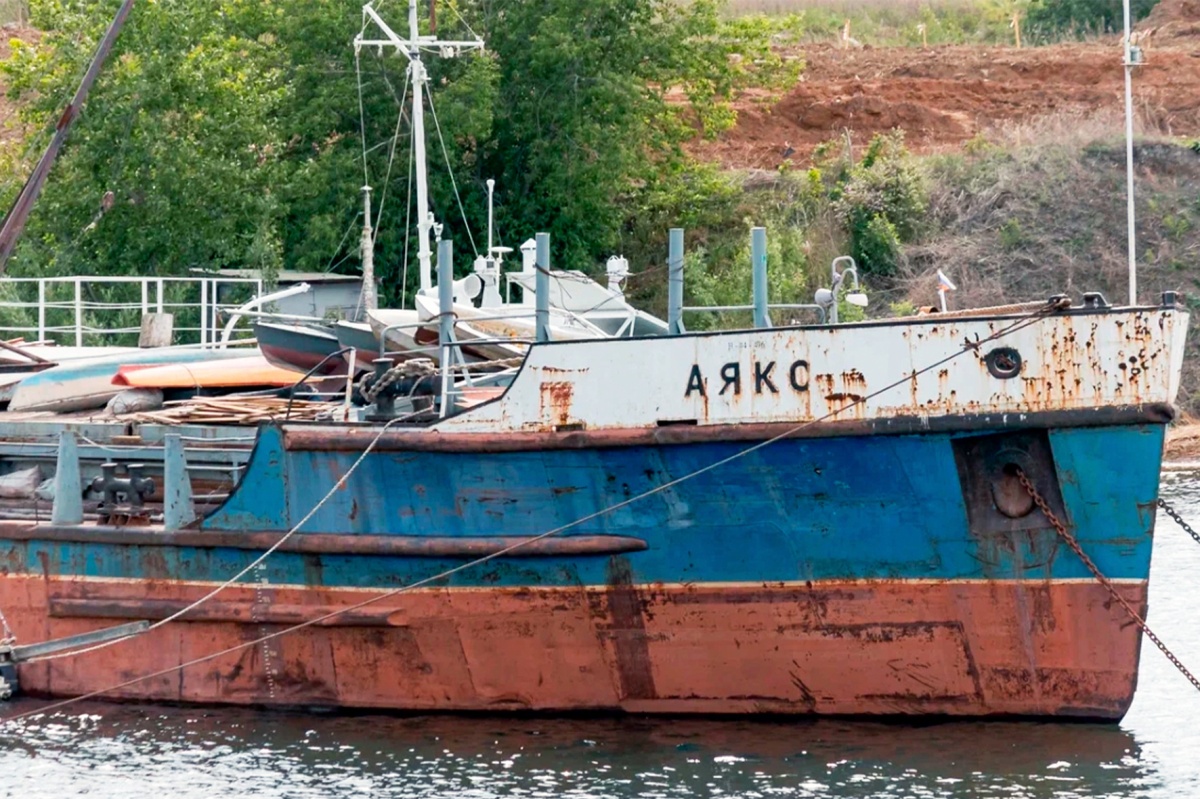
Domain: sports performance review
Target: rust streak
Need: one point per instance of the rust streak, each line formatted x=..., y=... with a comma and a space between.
x=629, y=633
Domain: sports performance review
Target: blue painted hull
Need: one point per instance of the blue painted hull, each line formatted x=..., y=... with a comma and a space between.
x=880, y=507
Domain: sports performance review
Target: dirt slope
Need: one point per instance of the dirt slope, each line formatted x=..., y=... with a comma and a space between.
x=946, y=95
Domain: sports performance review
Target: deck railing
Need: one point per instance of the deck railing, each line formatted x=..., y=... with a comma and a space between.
x=105, y=310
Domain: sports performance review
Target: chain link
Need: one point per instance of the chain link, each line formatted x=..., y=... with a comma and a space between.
x=1174, y=514
x=1070, y=540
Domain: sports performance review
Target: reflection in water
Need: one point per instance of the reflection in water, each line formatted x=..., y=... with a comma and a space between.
x=114, y=750
x=190, y=754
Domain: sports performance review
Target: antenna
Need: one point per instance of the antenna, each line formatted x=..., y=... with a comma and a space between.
x=1133, y=57
x=411, y=48
x=491, y=184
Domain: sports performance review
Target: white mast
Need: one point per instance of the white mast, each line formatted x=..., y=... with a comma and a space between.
x=416, y=71
x=1133, y=57
x=411, y=47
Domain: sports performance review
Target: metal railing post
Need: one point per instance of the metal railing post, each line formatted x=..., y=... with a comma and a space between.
x=675, y=281
x=542, y=288
x=445, y=286
x=78, y=314
x=41, y=310
x=758, y=257
x=203, y=311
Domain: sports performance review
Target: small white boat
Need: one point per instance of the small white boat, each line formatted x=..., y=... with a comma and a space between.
x=404, y=333
x=511, y=320
x=576, y=293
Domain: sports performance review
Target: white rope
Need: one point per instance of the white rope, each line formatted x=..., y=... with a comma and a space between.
x=251, y=567
x=445, y=154
x=967, y=347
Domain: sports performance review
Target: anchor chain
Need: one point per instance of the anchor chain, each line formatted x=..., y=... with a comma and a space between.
x=1071, y=542
x=1174, y=514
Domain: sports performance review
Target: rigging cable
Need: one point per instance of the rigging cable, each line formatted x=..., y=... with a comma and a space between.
x=387, y=177
x=1053, y=305
x=453, y=182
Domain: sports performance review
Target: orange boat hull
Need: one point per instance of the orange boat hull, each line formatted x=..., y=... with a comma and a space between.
x=877, y=647
x=235, y=373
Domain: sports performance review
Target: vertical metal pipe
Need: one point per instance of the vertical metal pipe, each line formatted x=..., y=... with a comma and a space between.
x=445, y=275
x=41, y=310
x=203, y=311
x=1129, y=159
x=78, y=314
x=758, y=257
x=675, y=281
x=542, y=286
x=445, y=285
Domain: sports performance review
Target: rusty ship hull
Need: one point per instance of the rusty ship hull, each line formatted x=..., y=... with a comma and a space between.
x=784, y=521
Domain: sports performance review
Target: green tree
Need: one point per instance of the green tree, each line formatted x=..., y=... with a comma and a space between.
x=227, y=133
x=173, y=162
x=1053, y=18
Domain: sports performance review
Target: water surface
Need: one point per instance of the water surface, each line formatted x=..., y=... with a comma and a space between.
x=100, y=750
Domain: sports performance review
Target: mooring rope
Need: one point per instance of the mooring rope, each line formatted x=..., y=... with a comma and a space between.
x=1050, y=307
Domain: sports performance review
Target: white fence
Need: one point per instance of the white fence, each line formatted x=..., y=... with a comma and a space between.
x=102, y=310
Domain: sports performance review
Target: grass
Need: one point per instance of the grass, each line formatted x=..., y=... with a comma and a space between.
x=899, y=23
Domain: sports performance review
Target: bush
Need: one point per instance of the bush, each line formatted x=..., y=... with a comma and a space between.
x=882, y=201
x=876, y=245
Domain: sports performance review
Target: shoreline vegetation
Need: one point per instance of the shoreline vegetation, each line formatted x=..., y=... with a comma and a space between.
x=228, y=134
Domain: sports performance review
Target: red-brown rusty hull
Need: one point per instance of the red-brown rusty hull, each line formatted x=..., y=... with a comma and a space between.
x=1020, y=648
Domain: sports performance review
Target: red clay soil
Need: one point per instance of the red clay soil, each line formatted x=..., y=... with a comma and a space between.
x=944, y=96
x=1172, y=17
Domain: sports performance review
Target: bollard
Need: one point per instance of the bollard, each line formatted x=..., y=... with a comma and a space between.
x=178, y=510
x=68, y=488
